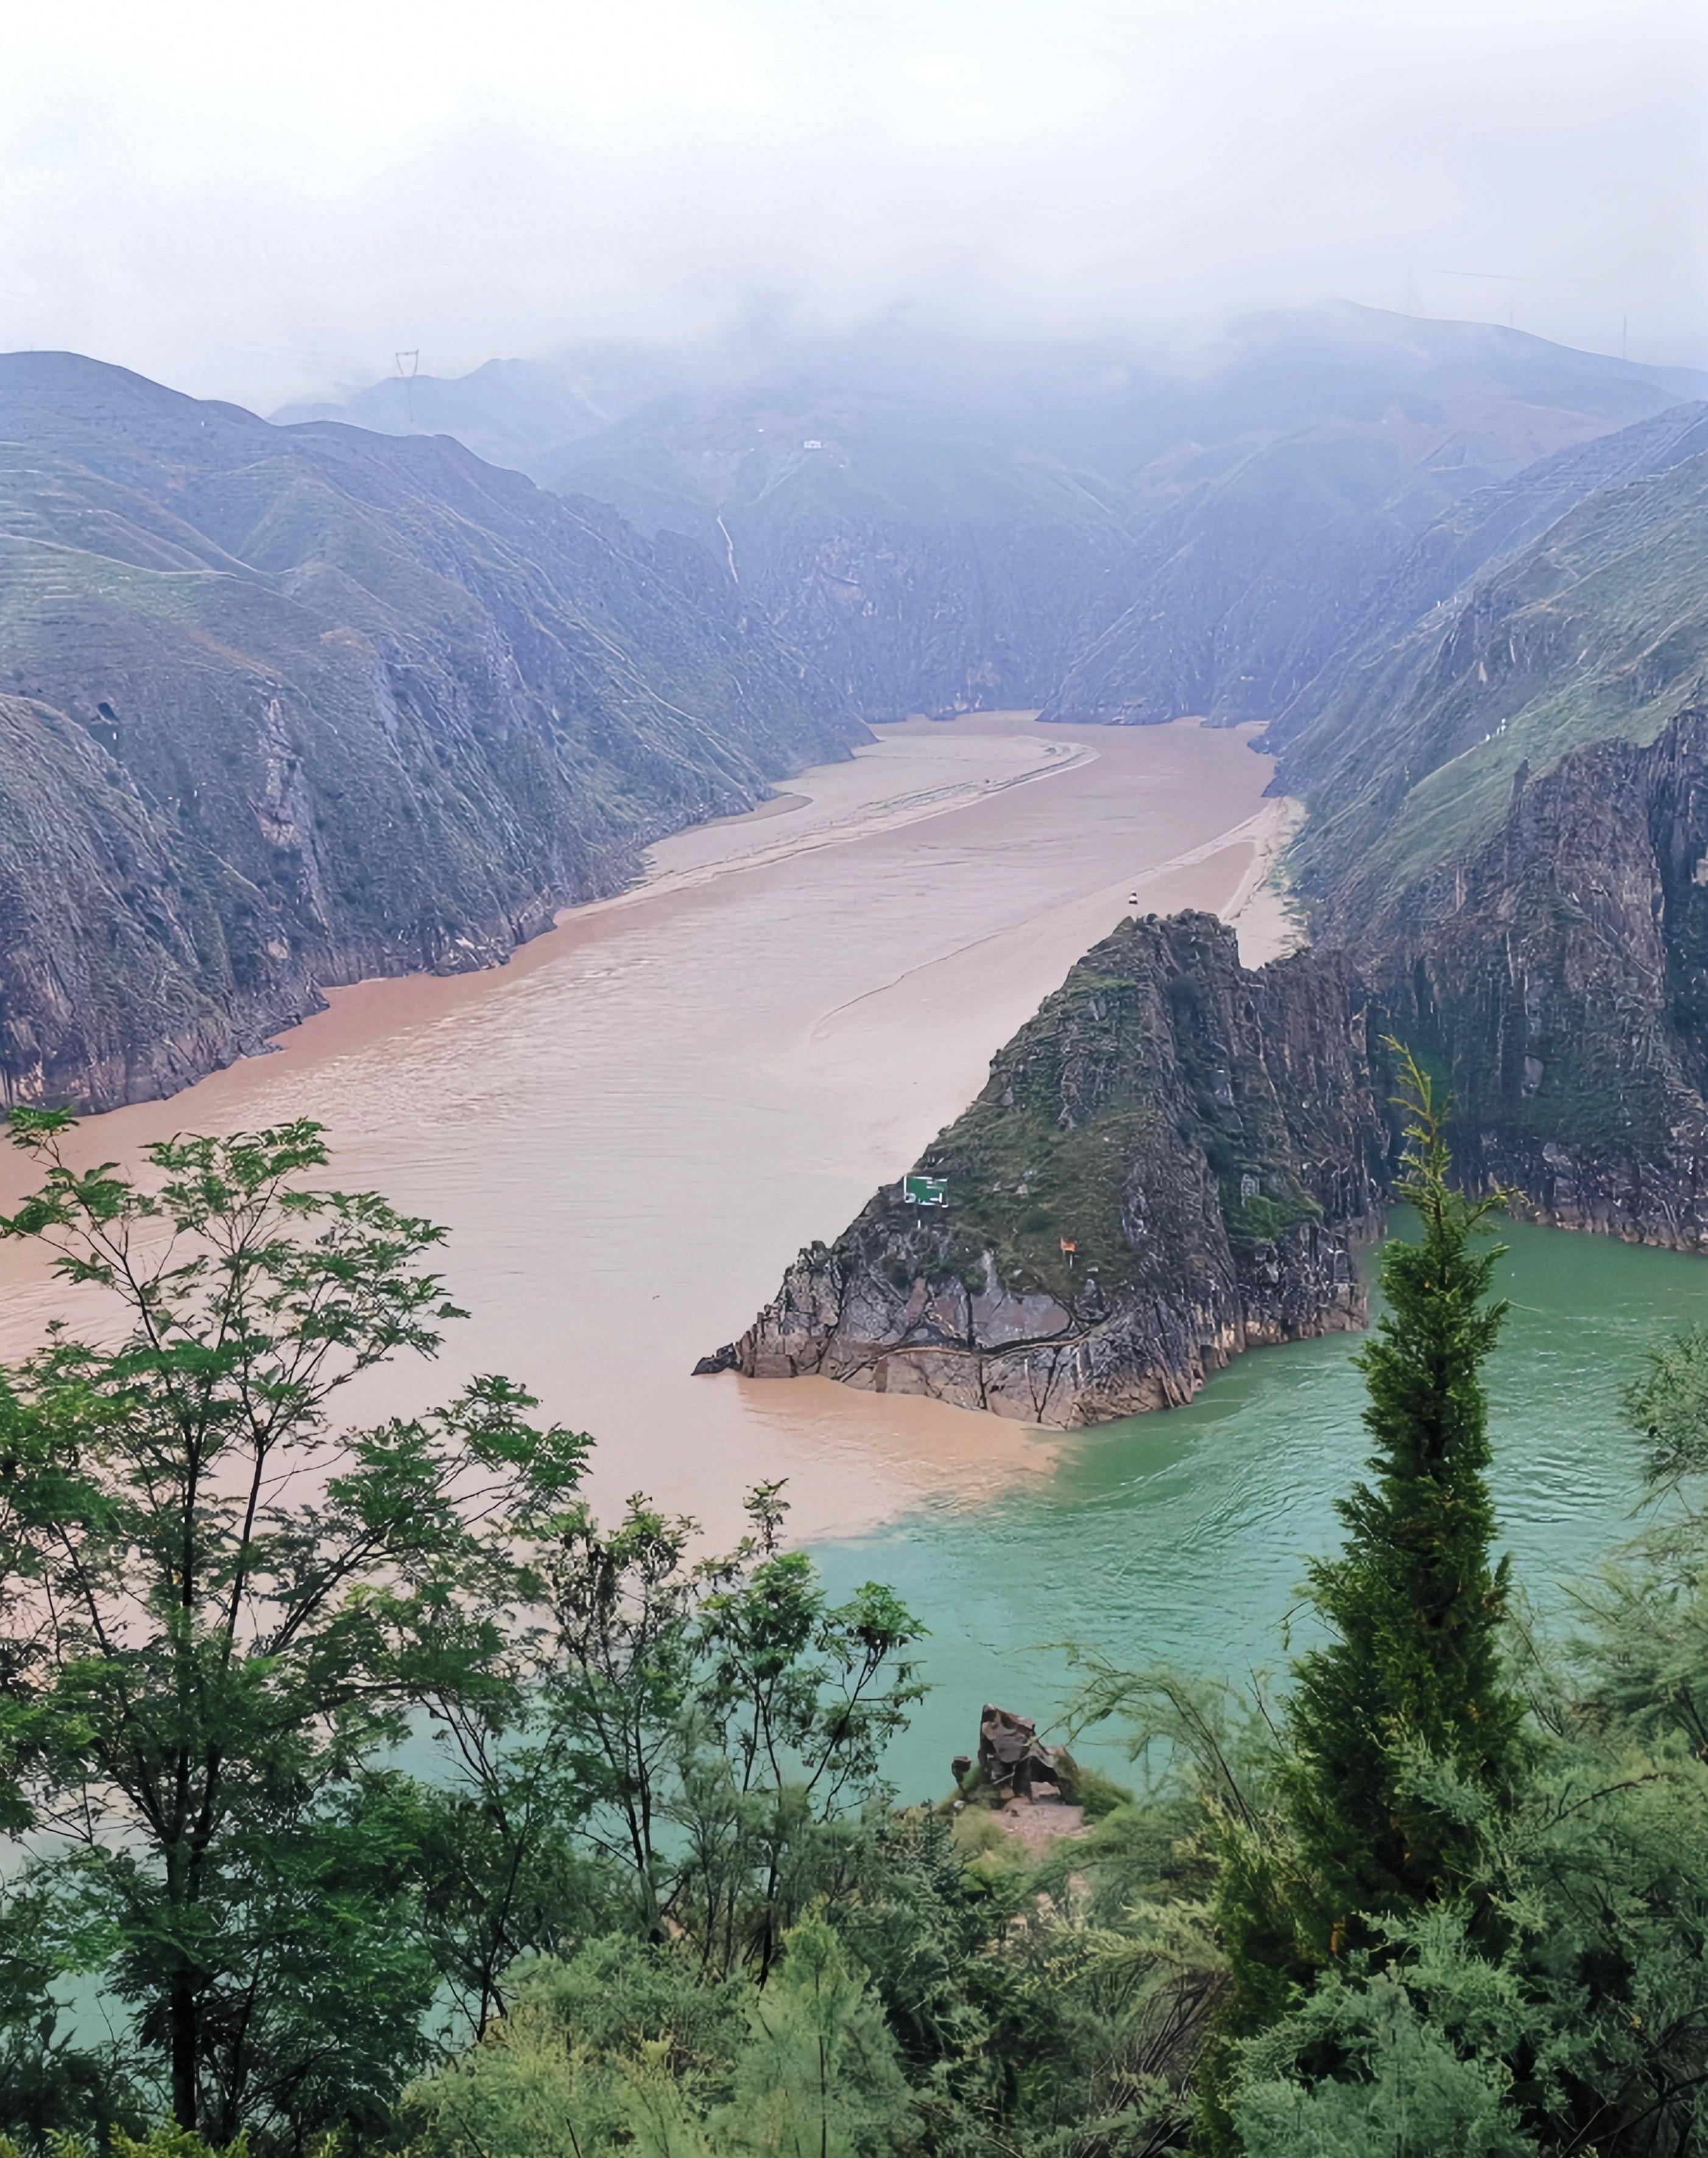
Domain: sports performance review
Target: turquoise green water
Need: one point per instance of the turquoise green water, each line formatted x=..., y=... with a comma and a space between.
x=1181, y=1538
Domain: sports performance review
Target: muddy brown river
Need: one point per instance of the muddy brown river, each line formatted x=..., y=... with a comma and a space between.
x=631, y=1129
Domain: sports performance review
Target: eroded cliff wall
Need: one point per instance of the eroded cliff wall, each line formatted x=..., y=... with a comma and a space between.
x=1560, y=980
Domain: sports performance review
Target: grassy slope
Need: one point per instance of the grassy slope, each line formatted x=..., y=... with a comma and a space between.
x=1598, y=629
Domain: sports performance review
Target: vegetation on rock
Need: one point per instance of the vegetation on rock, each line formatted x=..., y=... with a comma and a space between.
x=1168, y=1163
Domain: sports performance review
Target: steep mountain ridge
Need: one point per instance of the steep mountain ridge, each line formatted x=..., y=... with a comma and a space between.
x=507, y=412
x=1119, y=531
x=1480, y=529
x=306, y=704
x=1289, y=515
x=1596, y=627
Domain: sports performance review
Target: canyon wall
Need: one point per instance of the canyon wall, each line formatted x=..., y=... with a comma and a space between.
x=287, y=707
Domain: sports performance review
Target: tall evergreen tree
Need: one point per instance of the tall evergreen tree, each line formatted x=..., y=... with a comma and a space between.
x=1403, y=1724
x=1401, y=1730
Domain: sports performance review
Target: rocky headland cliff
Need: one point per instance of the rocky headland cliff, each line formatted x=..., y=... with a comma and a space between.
x=1207, y=1140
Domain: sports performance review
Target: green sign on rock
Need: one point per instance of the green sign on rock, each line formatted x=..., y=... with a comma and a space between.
x=924, y=1190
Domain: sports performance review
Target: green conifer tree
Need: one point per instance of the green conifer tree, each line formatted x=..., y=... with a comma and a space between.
x=1403, y=1725
x=1401, y=1732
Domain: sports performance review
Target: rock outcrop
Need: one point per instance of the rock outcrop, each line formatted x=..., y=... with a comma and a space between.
x=1014, y=1762
x=1561, y=978
x=1173, y=1162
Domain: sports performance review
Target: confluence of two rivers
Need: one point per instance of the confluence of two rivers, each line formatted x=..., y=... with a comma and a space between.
x=631, y=1129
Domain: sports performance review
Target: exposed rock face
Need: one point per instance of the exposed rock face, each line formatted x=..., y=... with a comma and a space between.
x=292, y=706
x=104, y=939
x=1209, y=1139
x=1562, y=978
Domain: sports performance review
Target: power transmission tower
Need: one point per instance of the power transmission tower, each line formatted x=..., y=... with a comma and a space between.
x=409, y=376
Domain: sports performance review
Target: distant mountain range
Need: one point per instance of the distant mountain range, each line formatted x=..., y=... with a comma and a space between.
x=1113, y=535
x=1412, y=550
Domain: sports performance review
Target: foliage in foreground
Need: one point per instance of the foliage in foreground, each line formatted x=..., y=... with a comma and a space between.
x=229, y=1614
x=1449, y=1895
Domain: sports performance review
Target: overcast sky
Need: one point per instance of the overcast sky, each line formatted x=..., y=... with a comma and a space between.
x=264, y=203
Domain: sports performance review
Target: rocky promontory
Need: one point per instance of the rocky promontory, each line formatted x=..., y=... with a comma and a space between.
x=1176, y=1158
x=1172, y=1162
